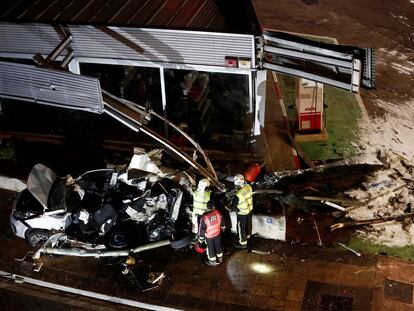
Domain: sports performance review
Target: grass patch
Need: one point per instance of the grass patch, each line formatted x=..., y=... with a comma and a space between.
x=361, y=245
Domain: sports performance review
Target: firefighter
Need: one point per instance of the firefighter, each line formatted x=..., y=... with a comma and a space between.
x=201, y=197
x=127, y=270
x=73, y=194
x=243, y=205
x=211, y=224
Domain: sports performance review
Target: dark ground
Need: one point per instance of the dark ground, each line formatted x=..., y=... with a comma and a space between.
x=286, y=276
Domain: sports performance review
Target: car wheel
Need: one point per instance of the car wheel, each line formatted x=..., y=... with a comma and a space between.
x=118, y=240
x=181, y=239
x=37, y=236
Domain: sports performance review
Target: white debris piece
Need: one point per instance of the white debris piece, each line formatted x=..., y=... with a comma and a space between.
x=266, y=226
x=144, y=162
x=84, y=216
x=151, y=206
x=12, y=184
x=151, y=163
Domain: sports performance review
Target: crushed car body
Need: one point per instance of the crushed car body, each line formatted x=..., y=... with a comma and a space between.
x=104, y=209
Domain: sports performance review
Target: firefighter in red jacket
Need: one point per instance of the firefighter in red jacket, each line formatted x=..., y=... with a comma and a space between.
x=210, y=228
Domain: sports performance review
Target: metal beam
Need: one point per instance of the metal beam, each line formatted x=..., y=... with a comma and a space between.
x=84, y=293
x=310, y=76
x=307, y=47
x=135, y=126
x=59, y=49
x=125, y=62
x=307, y=56
x=97, y=253
x=68, y=59
x=164, y=101
x=135, y=121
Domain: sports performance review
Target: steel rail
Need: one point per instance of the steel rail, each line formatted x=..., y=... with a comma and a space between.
x=97, y=253
x=143, y=112
x=188, y=137
x=85, y=293
x=136, y=125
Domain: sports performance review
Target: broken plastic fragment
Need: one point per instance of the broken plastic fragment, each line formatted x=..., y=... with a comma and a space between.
x=84, y=216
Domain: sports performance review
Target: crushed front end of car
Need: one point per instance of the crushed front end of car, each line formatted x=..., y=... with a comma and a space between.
x=107, y=212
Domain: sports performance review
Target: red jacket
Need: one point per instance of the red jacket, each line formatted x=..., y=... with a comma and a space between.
x=210, y=225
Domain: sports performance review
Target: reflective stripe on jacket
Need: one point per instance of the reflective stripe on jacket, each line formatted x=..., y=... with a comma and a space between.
x=200, y=200
x=213, y=224
x=245, y=204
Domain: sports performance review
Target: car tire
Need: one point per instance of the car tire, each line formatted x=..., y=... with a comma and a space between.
x=118, y=240
x=182, y=239
x=37, y=236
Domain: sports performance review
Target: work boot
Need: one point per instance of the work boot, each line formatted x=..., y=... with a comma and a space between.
x=239, y=246
x=211, y=263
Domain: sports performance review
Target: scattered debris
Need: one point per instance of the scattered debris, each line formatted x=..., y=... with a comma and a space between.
x=370, y=221
x=338, y=207
x=330, y=199
x=319, y=240
x=350, y=249
x=256, y=251
x=138, y=278
x=385, y=203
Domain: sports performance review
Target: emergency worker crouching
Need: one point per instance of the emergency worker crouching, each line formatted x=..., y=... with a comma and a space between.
x=73, y=194
x=243, y=205
x=201, y=197
x=211, y=224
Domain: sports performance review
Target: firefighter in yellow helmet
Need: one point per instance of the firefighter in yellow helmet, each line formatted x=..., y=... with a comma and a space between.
x=201, y=197
x=243, y=205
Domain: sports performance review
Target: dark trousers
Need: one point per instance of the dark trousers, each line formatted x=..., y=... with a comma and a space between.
x=214, y=248
x=244, y=228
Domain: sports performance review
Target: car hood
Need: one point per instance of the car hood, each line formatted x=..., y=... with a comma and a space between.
x=40, y=181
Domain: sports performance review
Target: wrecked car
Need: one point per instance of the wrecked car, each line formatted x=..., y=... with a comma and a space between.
x=102, y=207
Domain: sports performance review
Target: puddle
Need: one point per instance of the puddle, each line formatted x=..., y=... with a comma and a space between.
x=331, y=302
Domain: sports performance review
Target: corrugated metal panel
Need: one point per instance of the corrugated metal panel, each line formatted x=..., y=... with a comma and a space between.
x=50, y=87
x=172, y=46
x=28, y=39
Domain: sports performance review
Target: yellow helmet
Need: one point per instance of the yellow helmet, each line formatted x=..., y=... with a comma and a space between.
x=130, y=261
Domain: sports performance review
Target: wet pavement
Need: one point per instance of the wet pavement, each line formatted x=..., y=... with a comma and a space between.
x=30, y=297
x=290, y=277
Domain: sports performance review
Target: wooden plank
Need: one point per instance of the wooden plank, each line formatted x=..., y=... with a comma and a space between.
x=311, y=138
